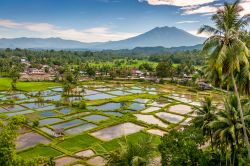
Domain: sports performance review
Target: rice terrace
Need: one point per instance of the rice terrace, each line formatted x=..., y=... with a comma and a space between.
x=125, y=83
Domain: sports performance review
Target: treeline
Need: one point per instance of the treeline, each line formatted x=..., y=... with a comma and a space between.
x=194, y=56
x=51, y=57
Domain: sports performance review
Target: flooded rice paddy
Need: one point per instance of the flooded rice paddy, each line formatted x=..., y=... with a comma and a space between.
x=112, y=111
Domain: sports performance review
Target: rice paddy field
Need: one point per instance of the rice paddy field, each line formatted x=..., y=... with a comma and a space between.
x=114, y=112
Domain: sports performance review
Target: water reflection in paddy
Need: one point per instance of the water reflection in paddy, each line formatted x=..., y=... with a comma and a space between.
x=50, y=107
x=106, y=107
x=95, y=118
x=14, y=107
x=98, y=96
x=135, y=91
x=49, y=121
x=68, y=124
x=81, y=128
x=55, y=98
x=65, y=110
x=119, y=93
x=139, y=100
x=136, y=106
x=47, y=114
x=35, y=105
x=20, y=113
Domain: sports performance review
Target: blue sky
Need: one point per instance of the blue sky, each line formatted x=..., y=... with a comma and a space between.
x=101, y=20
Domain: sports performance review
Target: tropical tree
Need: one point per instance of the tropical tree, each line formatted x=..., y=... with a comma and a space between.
x=206, y=115
x=165, y=69
x=179, y=148
x=227, y=53
x=14, y=75
x=132, y=154
x=228, y=127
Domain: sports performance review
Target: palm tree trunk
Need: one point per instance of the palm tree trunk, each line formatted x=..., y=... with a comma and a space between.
x=241, y=116
x=211, y=138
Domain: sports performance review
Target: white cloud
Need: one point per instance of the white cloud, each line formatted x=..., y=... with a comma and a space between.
x=205, y=10
x=45, y=30
x=179, y=3
x=246, y=6
x=8, y=24
x=187, y=22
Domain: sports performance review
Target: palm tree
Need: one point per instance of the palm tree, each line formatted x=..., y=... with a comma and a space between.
x=132, y=154
x=205, y=116
x=228, y=127
x=227, y=52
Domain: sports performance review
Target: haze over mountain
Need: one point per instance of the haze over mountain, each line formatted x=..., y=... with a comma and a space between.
x=160, y=36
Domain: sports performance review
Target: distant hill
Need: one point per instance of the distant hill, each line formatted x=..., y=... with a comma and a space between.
x=167, y=37
x=154, y=50
x=39, y=43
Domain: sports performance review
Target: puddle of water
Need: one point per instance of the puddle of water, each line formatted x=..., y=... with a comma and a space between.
x=57, y=89
x=156, y=132
x=136, y=106
x=95, y=118
x=151, y=109
x=181, y=109
x=114, y=113
x=106, y=107
x=47, y=113
x=119, y=93
x=196, y=103
x=140, y=100
x=49, y=121
x=19, y=113
x=30, y=139
x=14, y=107
x=81, y=128
x=35, y=105
x=150, y=89
x=18, y=96
x=150, y=119
x=98, y=96
x=103, y=89
x=76, y=115
x=68, y=124
x=117, y=131
x=65, y=110
x=73, y=99
x=55, y=98
x=50, y=107
x=90, y=92
x=159, y=104
x=170, y=117
x=135, y=91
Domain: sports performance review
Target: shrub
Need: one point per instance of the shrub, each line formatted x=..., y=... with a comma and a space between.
x=82, y=104
x=35, y=123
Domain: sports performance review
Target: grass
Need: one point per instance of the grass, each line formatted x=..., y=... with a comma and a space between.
x=40, y=151
x=5, y=84
x=78, y=142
